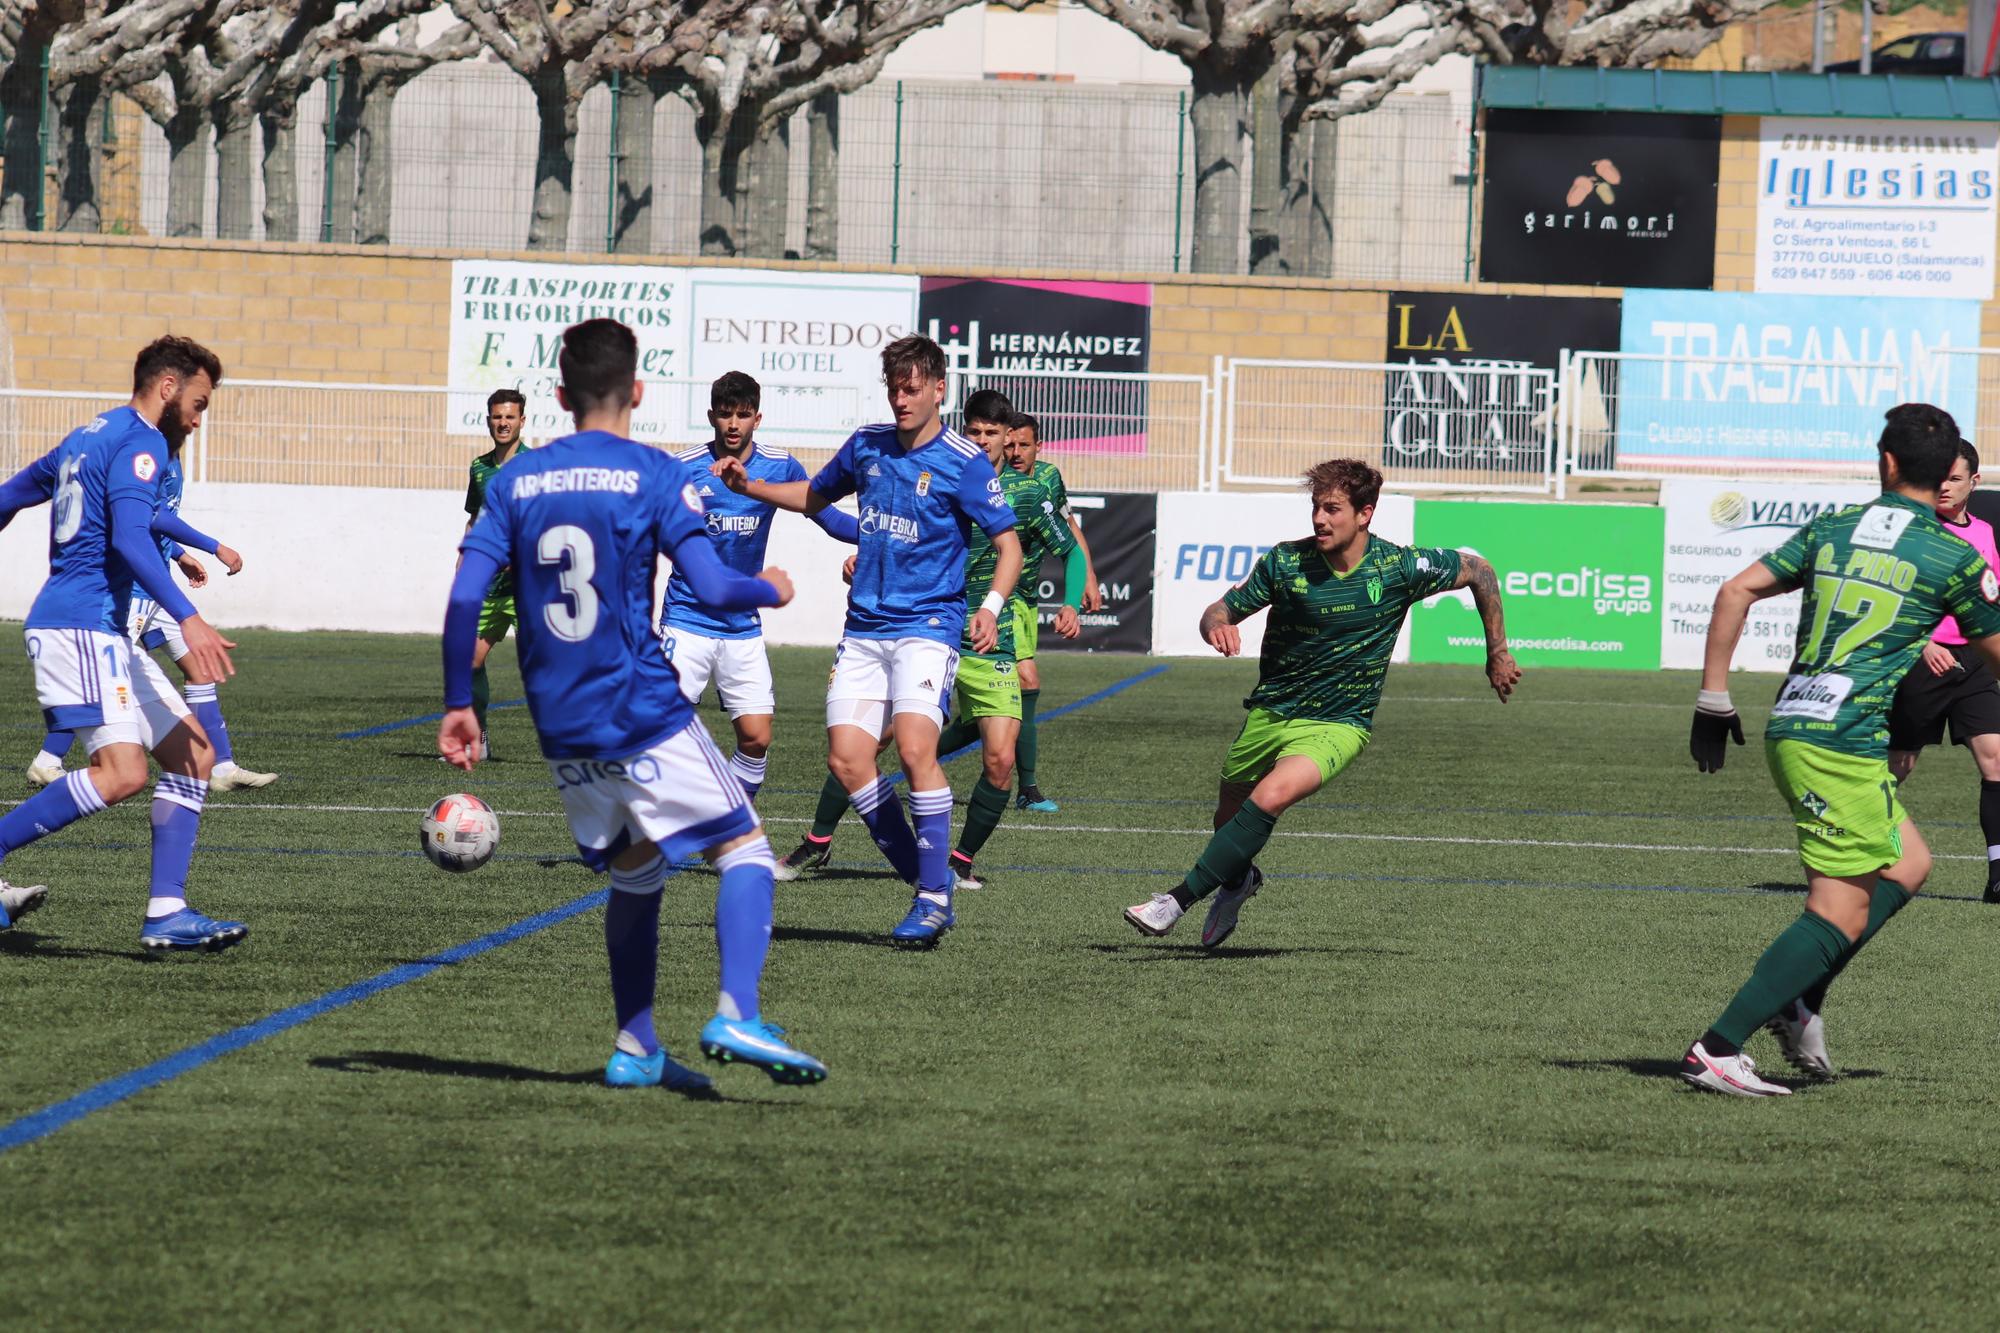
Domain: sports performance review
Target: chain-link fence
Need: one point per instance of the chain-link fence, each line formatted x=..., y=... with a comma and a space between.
x=935, y=173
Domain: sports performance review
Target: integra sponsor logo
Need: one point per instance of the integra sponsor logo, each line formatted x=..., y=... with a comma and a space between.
x=1609, y=594
x=893, y=526
x=1732, y=511
x=721, y=523
x=559, y=481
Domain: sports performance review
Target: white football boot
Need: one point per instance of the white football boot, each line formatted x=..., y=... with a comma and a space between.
x=232, y=776
x=1735, y=1075
x=17, y=900
x=1155, y=916
x=1224, y=907
x=1801, y=1035
x=41, y=774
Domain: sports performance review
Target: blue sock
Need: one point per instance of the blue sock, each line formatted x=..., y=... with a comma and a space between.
x=57, y=743
x=208, y=711
x=177, y=802
x=881, y=812
x=743, y=926
x=51, y=808
x=632, y=941
x=930, y=811
x=748, y=771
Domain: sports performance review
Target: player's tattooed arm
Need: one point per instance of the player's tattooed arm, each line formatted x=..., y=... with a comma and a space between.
x=1474, y=573
x=1218, y=629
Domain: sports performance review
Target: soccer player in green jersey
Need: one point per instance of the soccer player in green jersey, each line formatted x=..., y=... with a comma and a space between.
x=1024, y=450
x=506, y=413
x=1876, y=579
x=1337, y=599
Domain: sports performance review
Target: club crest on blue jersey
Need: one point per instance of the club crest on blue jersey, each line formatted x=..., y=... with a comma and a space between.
x=923, y=483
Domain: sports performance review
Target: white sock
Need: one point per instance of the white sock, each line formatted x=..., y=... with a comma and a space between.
x=46, y=760
x=940, y=899
x=156, y=907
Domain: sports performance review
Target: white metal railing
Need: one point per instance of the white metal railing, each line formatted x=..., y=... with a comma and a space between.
x=1944, y=371
x=1649, y=415
x=1426, y=426
x=1111, y=431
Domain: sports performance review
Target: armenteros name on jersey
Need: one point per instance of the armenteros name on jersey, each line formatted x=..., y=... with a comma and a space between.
x=557, y=481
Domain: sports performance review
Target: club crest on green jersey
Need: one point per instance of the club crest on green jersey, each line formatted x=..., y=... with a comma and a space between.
x=1375, y=589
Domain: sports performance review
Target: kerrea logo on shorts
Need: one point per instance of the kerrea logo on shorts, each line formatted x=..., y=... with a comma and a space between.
x=585, y=772
x=1609, y=594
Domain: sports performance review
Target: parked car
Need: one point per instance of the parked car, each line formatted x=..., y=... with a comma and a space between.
x=1919, y=53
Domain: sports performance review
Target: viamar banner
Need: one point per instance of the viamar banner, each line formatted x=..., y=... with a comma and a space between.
x=1029, y=337
x=1611, y=199
x=1435, y=415
x=1876, y=207
x=1119, y=529
x=1581, y=583
x=1714, y=530
x=1208, y=541
x=1694, y=388
x=813, y=340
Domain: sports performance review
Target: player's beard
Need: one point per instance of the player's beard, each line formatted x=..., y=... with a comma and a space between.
x=174, y=426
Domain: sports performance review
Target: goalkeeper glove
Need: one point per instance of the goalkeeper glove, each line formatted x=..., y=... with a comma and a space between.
x=1715, y=721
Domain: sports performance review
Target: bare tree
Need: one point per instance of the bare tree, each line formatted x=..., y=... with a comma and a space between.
x=28, y=29
x=1603, y=32
x=562, y=59
x=777, y=56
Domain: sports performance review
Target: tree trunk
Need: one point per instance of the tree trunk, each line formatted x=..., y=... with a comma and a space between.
x=721, y=167
x=823, y=177
x=346, y=130
x=1267, y=176
x=555, y=162
x=632, y=201
x=769, y=190
x=21, y=105
x=1217, y=114
x=235, y=151
x=374, y=161
x=79, y=112
x=187, y=173
x=1319, y=217
x=281, y=173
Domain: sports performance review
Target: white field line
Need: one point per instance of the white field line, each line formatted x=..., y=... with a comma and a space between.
x=1017, y=827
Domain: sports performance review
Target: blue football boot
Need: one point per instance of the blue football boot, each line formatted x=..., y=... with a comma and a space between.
x=1031, y=799
x=752, y=1041
x=657, y=1070
x=189, y=929
x=924, y=926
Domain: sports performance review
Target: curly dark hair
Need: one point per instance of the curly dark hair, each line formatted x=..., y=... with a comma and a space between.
x=1353, y=478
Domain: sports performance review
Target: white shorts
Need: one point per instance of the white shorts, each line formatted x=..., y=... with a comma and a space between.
x=153, y=628
x=678, y=795
x=92, y=683
x=740, y=669
x=875, y=679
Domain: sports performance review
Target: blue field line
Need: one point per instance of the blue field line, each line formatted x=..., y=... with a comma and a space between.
x=386, y=727
x=1115, y=687
x=40, y=1124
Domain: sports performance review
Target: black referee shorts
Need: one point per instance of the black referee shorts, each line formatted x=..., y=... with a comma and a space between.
x=1967, y=696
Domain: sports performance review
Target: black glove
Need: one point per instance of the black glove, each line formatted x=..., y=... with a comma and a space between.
x=1714, y=722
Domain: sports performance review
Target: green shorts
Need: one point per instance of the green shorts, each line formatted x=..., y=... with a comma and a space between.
x=988, y=687
x=1848, y=816
x=1268, y=737
x=496, y=617
x=1027, y=627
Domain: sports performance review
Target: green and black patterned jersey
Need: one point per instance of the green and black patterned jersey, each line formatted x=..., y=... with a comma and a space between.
x=1052, y=482
x=483, y=470
x=1877, y=578
x=1328, y=640
x=1042, y=530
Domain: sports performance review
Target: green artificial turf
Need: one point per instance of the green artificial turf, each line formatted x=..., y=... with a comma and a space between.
x=1429, y=1081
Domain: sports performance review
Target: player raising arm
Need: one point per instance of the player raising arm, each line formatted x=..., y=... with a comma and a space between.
x=1337, y=599
x=920, y=487
x=583, y=522
x=1876, y=578
x=727, y=647
x=104, y=479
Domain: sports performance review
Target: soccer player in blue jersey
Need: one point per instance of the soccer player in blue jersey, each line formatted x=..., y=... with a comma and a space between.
x=583, y=522
x=104, y=479
x=152, y=630
x=727, y=647
x=920, y=487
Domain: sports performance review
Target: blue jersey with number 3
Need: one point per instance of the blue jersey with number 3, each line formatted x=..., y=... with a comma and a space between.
x=582, y=521
x=118, y=454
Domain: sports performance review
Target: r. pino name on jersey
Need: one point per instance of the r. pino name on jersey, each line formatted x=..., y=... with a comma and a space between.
x=557, y=481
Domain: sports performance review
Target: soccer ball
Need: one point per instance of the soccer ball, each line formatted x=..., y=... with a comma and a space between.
x=460, y=833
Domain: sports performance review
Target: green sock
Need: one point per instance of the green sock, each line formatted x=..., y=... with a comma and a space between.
x=982, y=816
x=1804, y=952
x=832, y=805
x=959, y=734
x=1228, y=854
x=482, y=694
x=1888, y=899
x=1024, y=748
